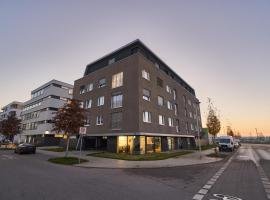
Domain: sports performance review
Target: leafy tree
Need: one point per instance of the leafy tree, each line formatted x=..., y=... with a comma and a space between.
x=10, y=126
x=69, y=119
x=213, y=122
x=230, y=131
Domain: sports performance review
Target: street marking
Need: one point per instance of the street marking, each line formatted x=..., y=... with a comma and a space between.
x=226, y=197
x=204, y=190
x=207, y=186
x=264, y=179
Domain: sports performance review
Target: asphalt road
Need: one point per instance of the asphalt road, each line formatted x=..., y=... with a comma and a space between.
x=32, y=177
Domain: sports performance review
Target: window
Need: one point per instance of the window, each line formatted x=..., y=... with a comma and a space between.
x=87, y=121
x=177, y=126
x=146, y=94
x=147, y=117
x=117, y=80
x=191, y=127
x=160, y=101
x=184, y=99
x=89, y=87
x=175, y=109
x=186, y=126
x=100, y=101
x=102, y=83
x=157, y=65
x=82, y=89
x=117, y=120
x=170, y=122
x=145, y=75
x=111, y=61
x=185, y=112
x=189, y=102
x=70, y=91
x=161, y=120
x=169, y=105
x=82, y=104
x=168, y=89
x=174, y=94
x=88, y=103
x=159, y=82
x=117, y=100
x=99, y=120
x=190, y=114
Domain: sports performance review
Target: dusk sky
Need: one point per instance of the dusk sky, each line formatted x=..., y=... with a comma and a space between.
x=221, y=48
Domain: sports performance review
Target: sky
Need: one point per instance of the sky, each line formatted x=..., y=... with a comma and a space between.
x=221, y=48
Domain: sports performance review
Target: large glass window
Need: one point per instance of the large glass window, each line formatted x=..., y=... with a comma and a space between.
x=122, y=144
x=146, y=94
x=100, y=101
x=117, y=100
x=153, y=144
x=146, y=117
x=117, y=80
x=170, y=143
x=149, y=144
x=117, y=120
x=142, y=144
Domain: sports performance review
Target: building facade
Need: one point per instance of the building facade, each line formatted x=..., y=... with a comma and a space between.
x=39, y=111
x=136, y=104
x=12, y=109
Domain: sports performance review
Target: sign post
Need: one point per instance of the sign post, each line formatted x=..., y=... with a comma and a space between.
x=82, y=133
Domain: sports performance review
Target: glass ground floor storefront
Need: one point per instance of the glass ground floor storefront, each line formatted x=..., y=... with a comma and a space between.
x=138, y=144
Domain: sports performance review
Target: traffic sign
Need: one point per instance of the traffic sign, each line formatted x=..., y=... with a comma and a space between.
x=82, y=130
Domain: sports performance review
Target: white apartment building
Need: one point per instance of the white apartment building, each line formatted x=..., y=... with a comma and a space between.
x=39, y=111
x=12, y=109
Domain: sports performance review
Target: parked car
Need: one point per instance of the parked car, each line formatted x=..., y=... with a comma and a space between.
x=25, y=148
x=226, y=143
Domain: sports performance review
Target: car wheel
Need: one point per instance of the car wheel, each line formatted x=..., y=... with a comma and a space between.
x=34, y=152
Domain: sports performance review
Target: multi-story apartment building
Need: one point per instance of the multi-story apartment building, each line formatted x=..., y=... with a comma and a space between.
x=39, y=111
x=14, y=108
x=135, y=103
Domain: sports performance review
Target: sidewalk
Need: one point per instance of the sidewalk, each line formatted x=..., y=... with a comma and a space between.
x=95, y=162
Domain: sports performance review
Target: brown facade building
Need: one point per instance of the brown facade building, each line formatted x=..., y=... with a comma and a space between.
x=136, y=104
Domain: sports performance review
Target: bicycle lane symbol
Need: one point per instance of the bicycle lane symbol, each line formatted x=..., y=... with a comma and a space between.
x=225, y=197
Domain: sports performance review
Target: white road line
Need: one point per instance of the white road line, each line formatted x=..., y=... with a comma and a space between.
x=204, y=190
x=264, y=179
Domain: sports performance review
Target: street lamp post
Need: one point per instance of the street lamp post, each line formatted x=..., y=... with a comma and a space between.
x=198, y=130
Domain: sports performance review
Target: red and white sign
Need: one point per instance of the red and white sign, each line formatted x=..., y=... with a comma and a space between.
x=83, y=130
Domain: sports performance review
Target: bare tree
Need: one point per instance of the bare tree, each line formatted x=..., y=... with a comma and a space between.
x=69, y=119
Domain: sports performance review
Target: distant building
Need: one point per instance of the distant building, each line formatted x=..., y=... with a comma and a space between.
x=137, y=104
x=12, y=109
x=39, y=111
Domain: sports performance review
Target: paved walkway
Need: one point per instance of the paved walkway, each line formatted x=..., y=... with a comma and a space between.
x=95, y=162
